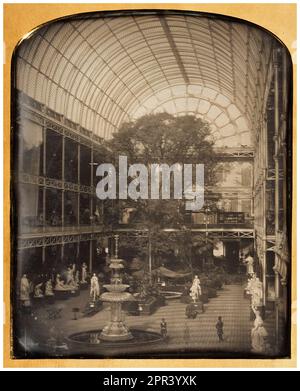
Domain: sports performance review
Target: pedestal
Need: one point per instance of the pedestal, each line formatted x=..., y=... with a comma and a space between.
x=62, y=295
x=38, y=301
x=116, y=330
x=50, y=299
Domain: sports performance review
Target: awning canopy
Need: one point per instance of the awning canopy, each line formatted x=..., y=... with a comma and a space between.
x=163, y=271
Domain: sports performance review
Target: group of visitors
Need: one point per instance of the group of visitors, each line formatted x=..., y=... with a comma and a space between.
x=186, y=331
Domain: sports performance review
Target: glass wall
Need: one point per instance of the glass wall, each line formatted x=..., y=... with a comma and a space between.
x=48, y=163
x=70, y=208
x=85, y=165
x=85, y=213
x=71, y=161
x=53, y=208
x=31, y=148
x=53, y=154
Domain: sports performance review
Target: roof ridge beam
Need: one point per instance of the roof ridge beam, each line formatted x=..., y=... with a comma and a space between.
x=175, y=51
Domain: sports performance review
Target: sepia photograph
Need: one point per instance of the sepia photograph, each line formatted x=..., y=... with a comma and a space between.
x=151, y=188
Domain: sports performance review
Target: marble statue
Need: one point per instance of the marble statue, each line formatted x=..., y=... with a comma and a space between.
x=49, y=288
x=25, y=291
x=258, y=334
x=195, y=291
x=250, y=283
x=60, y=285
x=257, y=292
x=38, y=290
x=249, y=261
x=83, y=273
x=69, y=276
x=95, y=288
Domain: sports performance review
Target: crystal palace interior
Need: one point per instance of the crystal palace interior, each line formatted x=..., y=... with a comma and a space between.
x=75, y=83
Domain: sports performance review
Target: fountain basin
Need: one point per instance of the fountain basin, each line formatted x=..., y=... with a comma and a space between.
x=91, y=339
x=115, y=331
x=116, y=287
x=116, y=264
x=115, y=297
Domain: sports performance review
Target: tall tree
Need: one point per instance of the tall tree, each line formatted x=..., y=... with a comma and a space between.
x=162, y=138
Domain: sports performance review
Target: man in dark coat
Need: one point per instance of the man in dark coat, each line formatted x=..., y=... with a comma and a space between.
x=219, y=327
x=163, y=328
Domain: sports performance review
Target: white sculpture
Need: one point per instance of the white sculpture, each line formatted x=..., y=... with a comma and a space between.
x=249, y=286
x=195, y=291
x=249, y=261
x=25, y=291
x=69, y=276
x=258, y=334
x=257, y=292
x=255, y=289
x=83, y=273
x=95, y=288
x=38, y=290
x=49, y=288
x=60, y=285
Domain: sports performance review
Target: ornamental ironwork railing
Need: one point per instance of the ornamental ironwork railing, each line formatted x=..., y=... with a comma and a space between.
x=53, y=183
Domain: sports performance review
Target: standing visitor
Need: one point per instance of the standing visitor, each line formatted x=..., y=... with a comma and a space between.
x=163, y=328
x=219, y=327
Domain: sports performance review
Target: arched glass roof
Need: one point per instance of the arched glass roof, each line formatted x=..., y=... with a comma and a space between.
x=102, y=71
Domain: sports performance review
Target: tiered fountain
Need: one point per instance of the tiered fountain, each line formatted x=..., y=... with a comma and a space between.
x=115, y=339
x=116, y=330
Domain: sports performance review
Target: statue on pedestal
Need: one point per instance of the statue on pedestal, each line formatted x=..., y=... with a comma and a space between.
x=60, y=285
x=257, y=292
x=95, y=288
x=258, y=333
x=195, y=291
x=69, y=276
x=249, y=261
x=83, y=273
x=38, y=293
x=25, y=291
x=49, y=288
